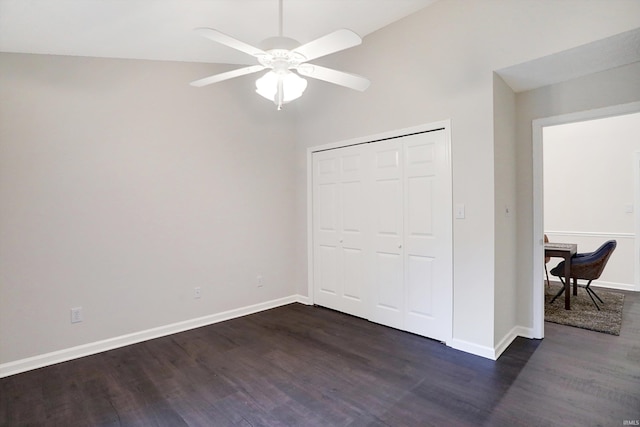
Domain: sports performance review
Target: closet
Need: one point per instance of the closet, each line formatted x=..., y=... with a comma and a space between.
x=382, y=232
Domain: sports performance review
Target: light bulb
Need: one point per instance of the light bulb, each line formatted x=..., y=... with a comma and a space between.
x=291, y=84
x=267, y=85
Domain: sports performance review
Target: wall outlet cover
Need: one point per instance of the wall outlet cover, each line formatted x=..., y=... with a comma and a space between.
x=76, y=315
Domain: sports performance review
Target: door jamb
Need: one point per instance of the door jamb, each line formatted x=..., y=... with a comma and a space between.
x=636, y=213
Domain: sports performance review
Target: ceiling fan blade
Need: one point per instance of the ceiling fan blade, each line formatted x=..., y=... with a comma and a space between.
x=226, y=76
x=226, y=40
x=331, y=43
x=352, y=81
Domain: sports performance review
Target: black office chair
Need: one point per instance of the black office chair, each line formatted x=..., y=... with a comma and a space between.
x=586, y=266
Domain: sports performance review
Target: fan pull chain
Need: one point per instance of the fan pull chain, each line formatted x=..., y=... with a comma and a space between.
x=280, y=94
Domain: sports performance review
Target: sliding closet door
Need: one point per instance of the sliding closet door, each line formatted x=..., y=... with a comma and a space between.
x=427, y=236
x=411, y=224
x=387, y=295
x=340, y=223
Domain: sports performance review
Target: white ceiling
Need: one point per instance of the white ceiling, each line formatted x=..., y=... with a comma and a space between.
x=163, y=29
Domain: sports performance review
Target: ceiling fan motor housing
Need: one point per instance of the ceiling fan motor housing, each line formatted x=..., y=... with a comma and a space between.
x=280, y=54
x=279, y=43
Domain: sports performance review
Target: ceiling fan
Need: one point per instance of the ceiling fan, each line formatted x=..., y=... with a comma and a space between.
x=286, y=58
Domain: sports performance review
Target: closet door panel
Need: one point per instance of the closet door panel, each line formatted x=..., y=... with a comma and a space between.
x=419, y=283
x=354, y=275
x=387, y=227
x=326, y=199
x=388, y=286
x=426, y=231
x=353, y=244
x=326, y=227
x=339, y=221
x=327, y=209
x=354, y=226
x=327, y=273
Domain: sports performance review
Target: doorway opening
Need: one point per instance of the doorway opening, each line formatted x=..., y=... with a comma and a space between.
x=538, y=128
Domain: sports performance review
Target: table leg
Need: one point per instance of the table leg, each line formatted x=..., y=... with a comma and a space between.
x=567, y=283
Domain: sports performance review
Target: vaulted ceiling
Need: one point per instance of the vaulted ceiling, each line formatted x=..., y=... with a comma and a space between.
x=163, y=29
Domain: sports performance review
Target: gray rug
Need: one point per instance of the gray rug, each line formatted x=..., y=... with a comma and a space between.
x=583, y=313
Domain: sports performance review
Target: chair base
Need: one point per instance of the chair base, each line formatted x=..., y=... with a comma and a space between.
x=592, y=293
x=587, y=288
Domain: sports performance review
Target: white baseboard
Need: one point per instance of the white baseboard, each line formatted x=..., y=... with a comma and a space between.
x=614, y=285
x=469, y=347
x=524, y=332
x=517, y=331
x=607, y=285
x=303, y=300
x=39, y=361
x=504, y=342
x=47, y=359
x=488, y=352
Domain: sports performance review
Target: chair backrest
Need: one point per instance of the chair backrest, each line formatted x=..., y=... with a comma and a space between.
x=546, y=259
x=590, y=266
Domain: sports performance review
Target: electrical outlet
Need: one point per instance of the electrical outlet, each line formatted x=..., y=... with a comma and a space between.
x=76, y=315
x=259, y=281
x=197, y=292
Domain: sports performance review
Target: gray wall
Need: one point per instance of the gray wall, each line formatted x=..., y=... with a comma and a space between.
x=123, y=188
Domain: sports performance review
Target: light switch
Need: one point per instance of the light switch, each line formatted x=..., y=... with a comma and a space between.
x=460, y=211
x=628, y=208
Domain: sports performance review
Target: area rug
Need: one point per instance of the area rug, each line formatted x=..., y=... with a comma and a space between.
x=583, y=313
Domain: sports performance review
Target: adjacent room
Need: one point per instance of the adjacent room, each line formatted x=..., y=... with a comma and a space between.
x=363, y=247
x=591, y=177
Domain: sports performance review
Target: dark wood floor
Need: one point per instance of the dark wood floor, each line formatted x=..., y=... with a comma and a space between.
x=308, y=366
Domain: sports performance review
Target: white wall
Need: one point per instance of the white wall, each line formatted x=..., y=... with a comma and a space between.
x=589, y=183
x=438, y=64
x=617, y=86
x=505, y=204
x=123, y=188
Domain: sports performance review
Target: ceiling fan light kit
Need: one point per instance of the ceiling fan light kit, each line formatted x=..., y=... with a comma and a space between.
x=284, y=57
x=281, y=86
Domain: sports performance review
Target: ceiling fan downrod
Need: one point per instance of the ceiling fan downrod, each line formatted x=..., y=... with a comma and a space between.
x=280, y=32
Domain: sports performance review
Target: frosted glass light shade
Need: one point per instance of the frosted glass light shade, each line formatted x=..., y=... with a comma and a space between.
x=292, y=86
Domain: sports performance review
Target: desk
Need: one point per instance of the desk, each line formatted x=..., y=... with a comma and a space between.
x=566, y=251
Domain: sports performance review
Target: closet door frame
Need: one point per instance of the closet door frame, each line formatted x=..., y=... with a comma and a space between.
x=443, y=126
